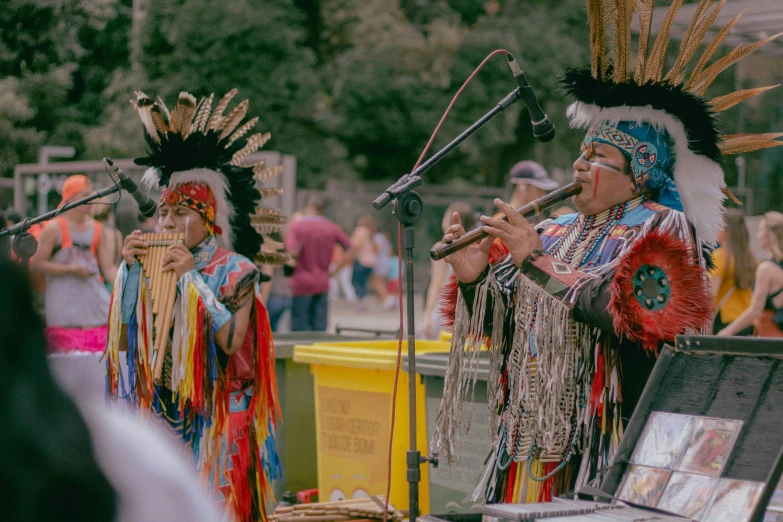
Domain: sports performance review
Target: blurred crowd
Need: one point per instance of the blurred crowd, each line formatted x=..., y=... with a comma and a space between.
x=76, y=262
x=748, y=292
x=328, y=264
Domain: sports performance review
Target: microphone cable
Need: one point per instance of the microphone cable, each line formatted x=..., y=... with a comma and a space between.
x=399, y=271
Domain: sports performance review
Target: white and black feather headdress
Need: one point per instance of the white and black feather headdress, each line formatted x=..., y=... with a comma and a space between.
x=619, y=89
x=194, y=143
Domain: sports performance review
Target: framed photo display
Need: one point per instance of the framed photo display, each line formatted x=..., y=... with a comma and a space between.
x=677, y=464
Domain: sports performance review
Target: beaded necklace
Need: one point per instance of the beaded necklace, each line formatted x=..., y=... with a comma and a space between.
x=582, y=239
x=577, y=246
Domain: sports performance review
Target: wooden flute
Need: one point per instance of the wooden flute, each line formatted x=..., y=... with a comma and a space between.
x=441, y=250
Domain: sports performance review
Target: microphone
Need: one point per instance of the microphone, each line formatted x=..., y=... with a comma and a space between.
x=543, y=129
x=147, y=206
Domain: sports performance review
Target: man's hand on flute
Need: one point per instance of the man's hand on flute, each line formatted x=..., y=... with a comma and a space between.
x=517, y=233
x=469, y=262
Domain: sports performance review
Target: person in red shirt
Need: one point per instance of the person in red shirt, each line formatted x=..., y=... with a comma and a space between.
x=311, y=239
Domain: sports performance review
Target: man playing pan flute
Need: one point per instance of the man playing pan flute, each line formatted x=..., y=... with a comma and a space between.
x=574, y=306
x=217, y=384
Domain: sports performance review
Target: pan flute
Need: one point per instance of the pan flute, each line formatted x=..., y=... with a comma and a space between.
x=163, y=292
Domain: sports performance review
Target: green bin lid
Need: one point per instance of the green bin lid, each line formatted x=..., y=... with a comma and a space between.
x=435, y=364
x=378, y=355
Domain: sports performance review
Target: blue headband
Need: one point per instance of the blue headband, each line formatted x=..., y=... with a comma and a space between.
x=650, y=154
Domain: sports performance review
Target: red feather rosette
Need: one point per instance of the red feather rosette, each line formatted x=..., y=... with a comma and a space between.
x=658, y=292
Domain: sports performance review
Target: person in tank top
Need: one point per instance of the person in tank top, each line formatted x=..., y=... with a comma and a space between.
x=768, y=288
x=76, y=259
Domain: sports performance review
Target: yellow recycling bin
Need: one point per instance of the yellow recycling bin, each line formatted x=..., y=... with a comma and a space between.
x=353, y=402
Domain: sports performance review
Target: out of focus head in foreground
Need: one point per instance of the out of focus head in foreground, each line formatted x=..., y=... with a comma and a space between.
x=47, y=467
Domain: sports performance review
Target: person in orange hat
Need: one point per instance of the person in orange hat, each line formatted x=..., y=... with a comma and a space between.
x=76, y=258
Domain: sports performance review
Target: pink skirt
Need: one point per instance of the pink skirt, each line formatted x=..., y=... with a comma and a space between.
x=64, y=340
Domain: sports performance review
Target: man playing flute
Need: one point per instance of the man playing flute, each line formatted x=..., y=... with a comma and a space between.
x=217, y=388
x=576, y=311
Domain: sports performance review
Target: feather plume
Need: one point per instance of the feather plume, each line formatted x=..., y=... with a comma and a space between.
x=183, y=113
x=654, y=67
x=159, y=102
x=765, y=136
x=240, y=132
x=706, y=78
x=270, y=245
x=202, y=115
x=144, y=106
x=645, y=8
x=253, y=144
x=268, y=193
x=273, y=258
x=202, y=156
x=198, y=108
x=731, y=196
x=266, y=215
x=610, y=25
x=690, y=36
x=696, y=41
x=721, y=103
x=710, y=50
x=230, y=122
x=268, y=228
x=595, y=17
x=264, y=174
x=257, y=167
x=217, y=116
x=159, y=120
x=266, y=220
x=621, y=58
x=744, y=145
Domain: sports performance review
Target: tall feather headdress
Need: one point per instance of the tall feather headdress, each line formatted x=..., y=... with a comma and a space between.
x=194, y=143
x=620, y=94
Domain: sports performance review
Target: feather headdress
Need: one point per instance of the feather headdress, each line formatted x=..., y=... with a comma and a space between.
x=194, y=143
x=618, y=90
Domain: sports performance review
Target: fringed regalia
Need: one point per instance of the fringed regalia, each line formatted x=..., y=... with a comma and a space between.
x=213, y=400
x=562, y=377
x=573, y=332
x=225, y=407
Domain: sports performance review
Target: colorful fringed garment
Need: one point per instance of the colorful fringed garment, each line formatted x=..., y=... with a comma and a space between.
x=573, y=331
x=572, y=341
x=224, y=406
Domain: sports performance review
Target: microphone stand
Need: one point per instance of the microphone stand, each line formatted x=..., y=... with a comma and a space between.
x=408, y=208
x=25, y=245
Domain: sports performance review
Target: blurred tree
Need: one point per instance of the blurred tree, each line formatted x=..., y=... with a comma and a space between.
x=545, y=39
x=388, y=79
x=192, y=45
x=353, y=88
x=18, y=140
x=396, y=65
x=57, y=56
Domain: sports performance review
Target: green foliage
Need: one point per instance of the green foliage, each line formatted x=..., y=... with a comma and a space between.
x=190, y=45
x=56, y=58
x=352, y=88
x=397, y=66
x=19, y=140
